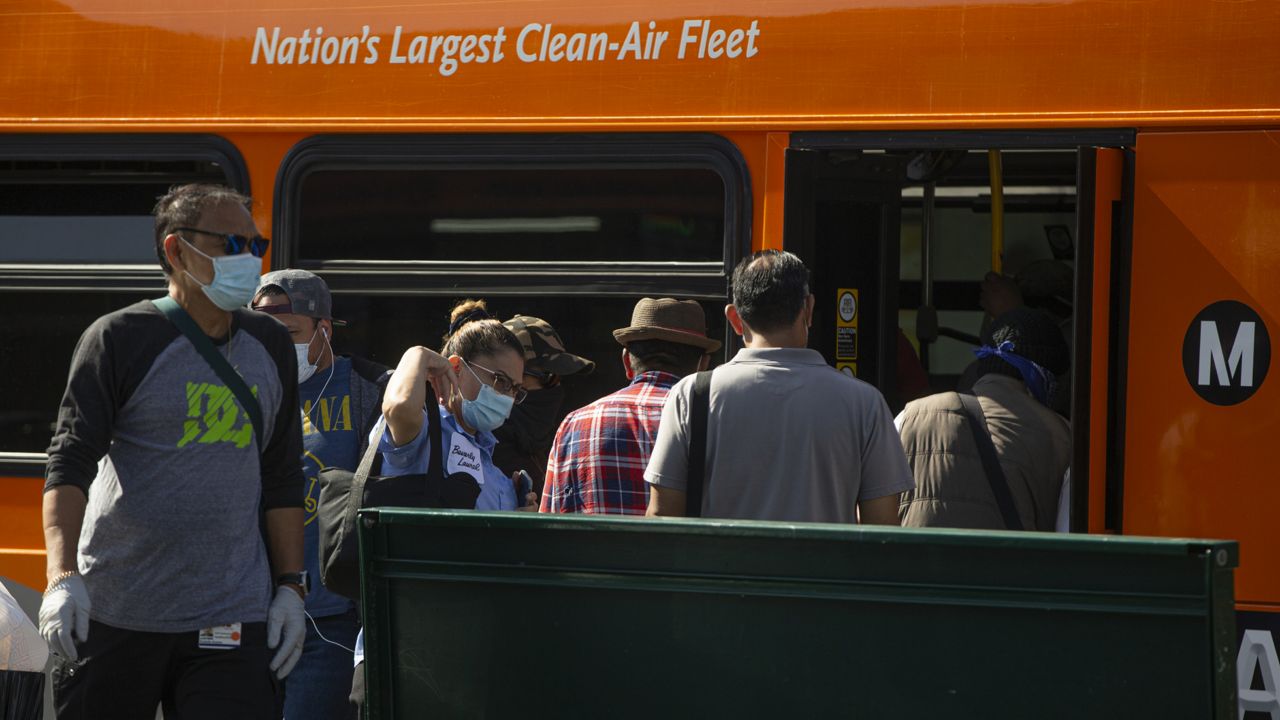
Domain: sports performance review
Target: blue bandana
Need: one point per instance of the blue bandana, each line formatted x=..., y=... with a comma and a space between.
x=1039, y=381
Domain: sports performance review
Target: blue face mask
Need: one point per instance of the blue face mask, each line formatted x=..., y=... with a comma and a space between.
x=490, y=408
x=235, y=278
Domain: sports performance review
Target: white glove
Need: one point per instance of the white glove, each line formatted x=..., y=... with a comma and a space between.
x=286, y=617
x=64, y=612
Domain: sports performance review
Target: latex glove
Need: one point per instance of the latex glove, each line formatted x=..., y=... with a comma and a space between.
x=286, y=629
x=64, y=614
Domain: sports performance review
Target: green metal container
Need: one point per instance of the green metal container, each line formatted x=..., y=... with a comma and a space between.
x=499, y=615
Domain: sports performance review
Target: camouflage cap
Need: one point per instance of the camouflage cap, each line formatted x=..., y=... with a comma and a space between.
x=543, y=349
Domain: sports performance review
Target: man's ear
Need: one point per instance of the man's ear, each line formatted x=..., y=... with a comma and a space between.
x=809, y=302
x=704, y=362
x=626, y=364
x=171, y=252
x=735, y=321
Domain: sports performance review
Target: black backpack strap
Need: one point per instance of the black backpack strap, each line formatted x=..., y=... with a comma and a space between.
x=217, y=362
x=991, y=462
x=699, y=409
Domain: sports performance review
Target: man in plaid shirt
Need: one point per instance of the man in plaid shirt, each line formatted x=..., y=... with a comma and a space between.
x=600, y=451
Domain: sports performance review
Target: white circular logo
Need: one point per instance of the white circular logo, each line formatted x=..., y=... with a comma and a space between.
x=848, y=307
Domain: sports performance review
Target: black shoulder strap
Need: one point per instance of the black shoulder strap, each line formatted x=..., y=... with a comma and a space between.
x=371, y=463
x=217, y=362
x=991, y=462
x=435, y=467
x=699, y=408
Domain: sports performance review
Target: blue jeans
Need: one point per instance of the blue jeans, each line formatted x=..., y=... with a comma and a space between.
x=318, y=687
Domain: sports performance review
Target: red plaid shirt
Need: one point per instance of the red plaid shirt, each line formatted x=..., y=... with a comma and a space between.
x=598, y=458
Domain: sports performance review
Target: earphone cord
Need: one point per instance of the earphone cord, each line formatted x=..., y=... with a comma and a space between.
x=325, y=386
x=322, y=637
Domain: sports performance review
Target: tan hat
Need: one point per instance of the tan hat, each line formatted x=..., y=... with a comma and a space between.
x=678, y=321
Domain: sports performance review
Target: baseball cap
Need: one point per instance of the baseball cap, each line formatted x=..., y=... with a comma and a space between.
x=307, y=293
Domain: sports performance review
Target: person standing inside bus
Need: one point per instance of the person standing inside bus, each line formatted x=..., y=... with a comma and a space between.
x=600, y=451
x=172, y=596
x=788, y=436
x=340, y=399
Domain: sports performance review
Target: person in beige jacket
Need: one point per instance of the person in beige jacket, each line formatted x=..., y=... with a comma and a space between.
x=1033, y=443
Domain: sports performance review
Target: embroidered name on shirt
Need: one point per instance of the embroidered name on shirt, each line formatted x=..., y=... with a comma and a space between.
x=212, y=415
x=464, y=457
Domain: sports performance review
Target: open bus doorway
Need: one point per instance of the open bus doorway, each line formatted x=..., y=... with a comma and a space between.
x=898, y=275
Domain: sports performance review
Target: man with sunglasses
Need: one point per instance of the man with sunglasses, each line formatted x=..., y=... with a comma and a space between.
x=173, y=517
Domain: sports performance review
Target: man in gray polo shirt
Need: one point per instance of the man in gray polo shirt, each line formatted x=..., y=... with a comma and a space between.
x=788, y=436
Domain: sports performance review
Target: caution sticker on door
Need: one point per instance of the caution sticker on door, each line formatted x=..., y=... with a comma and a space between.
x=847, y=307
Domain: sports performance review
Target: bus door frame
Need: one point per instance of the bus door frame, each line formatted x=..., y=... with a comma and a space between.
x=1104, y=193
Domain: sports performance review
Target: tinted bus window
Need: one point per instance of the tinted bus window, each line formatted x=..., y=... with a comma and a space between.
x=88, y=211
x=513, y=214
x=35, y=351
x=64, y=224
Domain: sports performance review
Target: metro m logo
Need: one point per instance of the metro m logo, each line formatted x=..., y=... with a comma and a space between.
x=1211, y=354
x=1226, y=353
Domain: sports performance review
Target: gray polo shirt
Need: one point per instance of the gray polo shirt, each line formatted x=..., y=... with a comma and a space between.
x=788, y=438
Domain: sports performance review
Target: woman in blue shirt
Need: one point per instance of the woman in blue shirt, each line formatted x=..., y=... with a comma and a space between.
x=476, y=378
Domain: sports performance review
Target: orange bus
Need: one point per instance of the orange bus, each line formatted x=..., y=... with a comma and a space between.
x=563, y=159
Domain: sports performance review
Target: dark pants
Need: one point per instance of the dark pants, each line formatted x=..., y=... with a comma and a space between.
x=319, y=686
x=125, y=674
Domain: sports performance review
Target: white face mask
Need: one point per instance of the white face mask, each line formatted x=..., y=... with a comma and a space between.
x=306, y=368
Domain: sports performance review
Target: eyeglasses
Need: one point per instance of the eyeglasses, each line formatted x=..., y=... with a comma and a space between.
x=504, y=384
x=235, y=243
x=545, y=378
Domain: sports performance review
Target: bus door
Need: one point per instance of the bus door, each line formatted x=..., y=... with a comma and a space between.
x=899, y=228
x=842, y=218
x=1202, y=409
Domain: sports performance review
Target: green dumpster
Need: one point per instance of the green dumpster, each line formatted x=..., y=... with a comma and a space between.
x=499, y=615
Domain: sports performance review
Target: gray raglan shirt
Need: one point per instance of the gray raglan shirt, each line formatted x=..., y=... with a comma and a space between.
x=174, y=476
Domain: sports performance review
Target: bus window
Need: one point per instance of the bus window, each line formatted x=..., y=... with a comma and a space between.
x=514, y=214
x=76, y=242
x=572, y=229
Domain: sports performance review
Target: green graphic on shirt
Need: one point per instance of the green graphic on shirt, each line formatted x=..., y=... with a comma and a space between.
x=213, y=416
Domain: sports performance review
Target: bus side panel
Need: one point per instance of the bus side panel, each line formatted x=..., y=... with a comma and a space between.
x=1206, y=230
x=22, y=552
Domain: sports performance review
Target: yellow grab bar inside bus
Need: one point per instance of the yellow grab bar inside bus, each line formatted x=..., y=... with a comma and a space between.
x=997, y=210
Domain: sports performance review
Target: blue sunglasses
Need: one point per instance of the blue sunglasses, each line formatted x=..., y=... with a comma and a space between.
x=235, y=243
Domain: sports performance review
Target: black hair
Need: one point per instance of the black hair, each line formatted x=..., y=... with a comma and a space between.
x=672, y=357
x=769, y=289
x=183, y=205
x=474, y=338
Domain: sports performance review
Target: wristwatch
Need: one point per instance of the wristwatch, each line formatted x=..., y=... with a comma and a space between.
x=301, y=579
